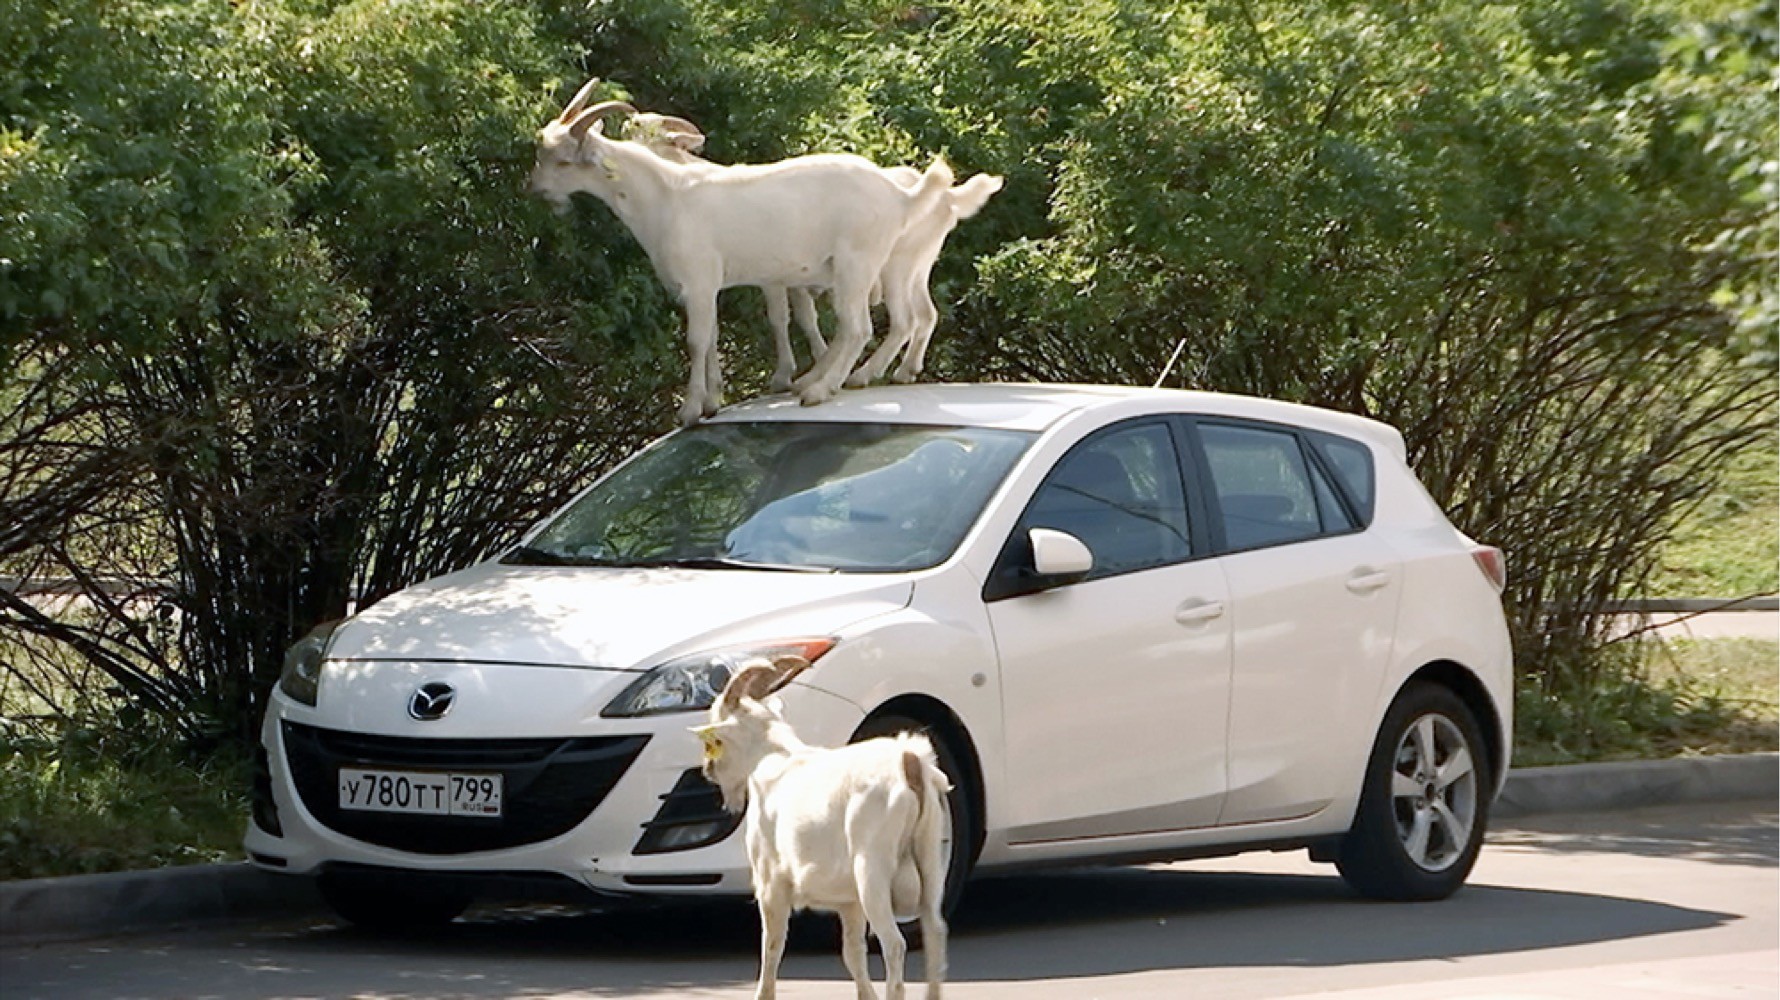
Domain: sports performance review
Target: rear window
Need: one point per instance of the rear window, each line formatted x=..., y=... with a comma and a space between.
x=1351, y=462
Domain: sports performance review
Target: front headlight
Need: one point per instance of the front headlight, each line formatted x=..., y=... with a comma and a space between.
x=301, y=678
x=690, y=683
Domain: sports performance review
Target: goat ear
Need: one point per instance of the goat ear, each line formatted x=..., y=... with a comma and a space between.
x=751, y=681
x=592, y=120
x=683, y=133
x=786, y=667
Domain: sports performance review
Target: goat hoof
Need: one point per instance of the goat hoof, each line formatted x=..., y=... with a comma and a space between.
x=904, y=378
x=815, y=395
x=691, y=413
x=781, y=382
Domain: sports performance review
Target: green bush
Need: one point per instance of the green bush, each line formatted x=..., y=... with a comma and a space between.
x=279, y=326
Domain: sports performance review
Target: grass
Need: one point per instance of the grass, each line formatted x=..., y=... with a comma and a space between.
x=1730, y=545
x=74, y=808
x=1666, y=699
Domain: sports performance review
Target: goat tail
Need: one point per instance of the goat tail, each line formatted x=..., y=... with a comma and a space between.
x=968, y=198
x=935, y=184
x=920, y=768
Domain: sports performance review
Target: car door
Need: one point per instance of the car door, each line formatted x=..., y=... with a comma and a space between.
x=1314, y=602
x=1115, y=686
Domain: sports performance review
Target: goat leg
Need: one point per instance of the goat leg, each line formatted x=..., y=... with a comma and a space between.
x=775, y=921
x=778, y=316
x=853, y=950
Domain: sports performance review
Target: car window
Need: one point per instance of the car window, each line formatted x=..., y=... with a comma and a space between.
x=1264, y=487
x=1329, y=507
x=1352, y=464
x=1121, y=494
x=787, y=494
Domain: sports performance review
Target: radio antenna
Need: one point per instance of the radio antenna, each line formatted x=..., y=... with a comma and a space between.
x=1172, y=358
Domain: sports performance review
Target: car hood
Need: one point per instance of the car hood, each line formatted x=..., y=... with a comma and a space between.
x=602, y=617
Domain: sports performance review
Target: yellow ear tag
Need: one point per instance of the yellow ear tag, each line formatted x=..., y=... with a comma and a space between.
x=713, y=745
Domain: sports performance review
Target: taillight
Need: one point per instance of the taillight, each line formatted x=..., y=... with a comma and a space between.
x=1493, y=563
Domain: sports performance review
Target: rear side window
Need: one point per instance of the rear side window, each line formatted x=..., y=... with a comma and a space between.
x=1352, y=464
x=1264, y=487
x=1268, y=488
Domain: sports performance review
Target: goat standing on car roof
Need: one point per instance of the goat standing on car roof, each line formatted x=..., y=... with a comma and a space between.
x=903, y=286
x=860, y=830
x=828, y=220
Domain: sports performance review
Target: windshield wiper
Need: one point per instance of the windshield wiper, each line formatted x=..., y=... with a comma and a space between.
x=723, y=562
x=525, y=555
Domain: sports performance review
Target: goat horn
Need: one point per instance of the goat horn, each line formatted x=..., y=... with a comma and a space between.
x=579, y=126
x=581, y=97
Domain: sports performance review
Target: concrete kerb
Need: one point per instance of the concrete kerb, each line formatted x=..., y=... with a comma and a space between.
x=36, y=911
x=1627, y=784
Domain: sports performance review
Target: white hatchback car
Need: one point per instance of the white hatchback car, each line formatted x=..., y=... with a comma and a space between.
x=1139, y=624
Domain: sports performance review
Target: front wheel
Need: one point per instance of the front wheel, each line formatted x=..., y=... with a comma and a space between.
x=1425, y=803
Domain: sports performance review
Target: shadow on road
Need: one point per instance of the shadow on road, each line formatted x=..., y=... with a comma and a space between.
x=1082, y=924
x=1068, y=927
x=1666, y=832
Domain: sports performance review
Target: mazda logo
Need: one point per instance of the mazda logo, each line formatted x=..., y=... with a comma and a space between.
x=432, y=701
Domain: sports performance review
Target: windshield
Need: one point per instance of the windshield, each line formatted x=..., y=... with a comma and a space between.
x=815, y=497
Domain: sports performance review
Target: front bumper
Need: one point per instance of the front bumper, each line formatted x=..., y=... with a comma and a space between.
x=606, y=803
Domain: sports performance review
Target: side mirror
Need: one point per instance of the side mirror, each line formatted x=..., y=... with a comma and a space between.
x=1058, y=554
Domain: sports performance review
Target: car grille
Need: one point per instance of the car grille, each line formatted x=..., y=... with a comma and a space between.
x=550, y=784
x=691, y=815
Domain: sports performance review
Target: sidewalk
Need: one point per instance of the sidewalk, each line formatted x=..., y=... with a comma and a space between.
x=85, y=906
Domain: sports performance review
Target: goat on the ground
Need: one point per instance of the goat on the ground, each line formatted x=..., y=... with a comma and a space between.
x=860, y=830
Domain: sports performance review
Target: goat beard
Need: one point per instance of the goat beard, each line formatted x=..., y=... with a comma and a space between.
x=734, y=790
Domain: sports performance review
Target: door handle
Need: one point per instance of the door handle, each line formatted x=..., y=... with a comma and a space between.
x=1365, y=580
x=1198, y=612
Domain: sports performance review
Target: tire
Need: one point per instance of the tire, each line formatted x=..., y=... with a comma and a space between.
x=1425, y=803
x=390, y=905
x=965, y=829
x=821, y=932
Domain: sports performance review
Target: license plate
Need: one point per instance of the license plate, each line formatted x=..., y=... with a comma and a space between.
x=425, y=793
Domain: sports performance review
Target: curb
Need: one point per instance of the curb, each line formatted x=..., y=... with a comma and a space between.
x=1695, y=605
x=1627, y=784
x=37, y=911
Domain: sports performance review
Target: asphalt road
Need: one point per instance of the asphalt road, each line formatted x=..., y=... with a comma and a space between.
x=1668, y=902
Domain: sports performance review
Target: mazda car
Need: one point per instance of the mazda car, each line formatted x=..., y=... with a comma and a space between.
x=1138, y=625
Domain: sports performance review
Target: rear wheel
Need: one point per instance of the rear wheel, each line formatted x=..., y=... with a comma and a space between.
x=390, y=904
x=821, y=931
x=1425, y=803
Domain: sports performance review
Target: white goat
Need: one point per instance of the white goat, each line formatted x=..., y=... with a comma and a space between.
x=860, y=830
x=679, y=140
x=828, y=220
x=903, y=286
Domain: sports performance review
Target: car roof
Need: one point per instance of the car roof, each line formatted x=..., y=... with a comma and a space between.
x=1032, y=406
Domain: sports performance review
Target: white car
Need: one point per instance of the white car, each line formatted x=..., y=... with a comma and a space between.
x=1139, y=625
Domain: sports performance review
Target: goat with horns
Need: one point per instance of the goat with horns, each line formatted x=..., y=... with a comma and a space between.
x=828, y=220
x=903, y=286
x=860, y=829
